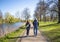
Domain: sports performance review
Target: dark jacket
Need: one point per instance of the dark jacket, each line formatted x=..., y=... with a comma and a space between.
x=35, y=23
x=27, y=25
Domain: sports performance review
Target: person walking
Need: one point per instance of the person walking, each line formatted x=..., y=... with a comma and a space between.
x=35, y=24
x=27, y=27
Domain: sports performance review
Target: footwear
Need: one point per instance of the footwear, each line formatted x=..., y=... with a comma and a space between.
x=35, y=35
x=27, y=35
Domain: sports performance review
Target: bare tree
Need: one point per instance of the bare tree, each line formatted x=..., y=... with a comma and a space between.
x=26, y=14
x=0, y=14
x=1, y=26
x=41, y=10
x=59, y=11
x=17, y=14
x=53, y=9
x=57, y=3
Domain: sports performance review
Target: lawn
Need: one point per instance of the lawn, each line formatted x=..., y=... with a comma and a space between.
x=12, y=37
x=51, y=30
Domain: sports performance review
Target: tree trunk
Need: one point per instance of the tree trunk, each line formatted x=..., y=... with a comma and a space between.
x=59, y=17
x=59, y=11
x=40, y=17
x=44, y=18
x=51, y=17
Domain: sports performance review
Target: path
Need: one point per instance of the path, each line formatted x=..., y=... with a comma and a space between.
x=31, y=38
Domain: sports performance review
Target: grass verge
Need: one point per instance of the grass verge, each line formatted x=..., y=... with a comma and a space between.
x=13, y=36
x=51, y=30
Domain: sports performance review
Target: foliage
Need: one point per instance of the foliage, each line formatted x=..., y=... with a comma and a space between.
x=1, y=17
x=10, y=18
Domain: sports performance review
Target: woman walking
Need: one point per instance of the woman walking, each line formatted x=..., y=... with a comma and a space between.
x=27, y=27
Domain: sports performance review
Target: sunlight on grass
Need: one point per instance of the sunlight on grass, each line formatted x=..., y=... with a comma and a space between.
x=51, y=31
x=46, y=23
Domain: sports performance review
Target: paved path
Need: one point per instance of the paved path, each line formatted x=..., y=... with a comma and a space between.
x=32, y=38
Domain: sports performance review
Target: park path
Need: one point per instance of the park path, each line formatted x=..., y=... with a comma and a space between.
x=32, y=38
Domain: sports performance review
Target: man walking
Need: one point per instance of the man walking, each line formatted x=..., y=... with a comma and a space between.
x=35, y=24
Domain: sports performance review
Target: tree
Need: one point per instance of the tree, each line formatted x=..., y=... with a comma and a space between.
x=52, y=8
x=17, y=14
x=1, y=18
x=9, y=18
x=57, y=3
x=0, y=14
x=1, y=27
x=41, y=10
x=26, y=14
x=58, y=11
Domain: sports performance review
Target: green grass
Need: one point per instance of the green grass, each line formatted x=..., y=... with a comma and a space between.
x=51, y=30
x=11, y=37
x=46, y=23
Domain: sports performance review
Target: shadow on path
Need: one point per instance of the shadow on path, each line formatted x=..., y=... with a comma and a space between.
x=20, y=37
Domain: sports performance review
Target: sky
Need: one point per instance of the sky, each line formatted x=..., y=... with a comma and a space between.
x=13, y=6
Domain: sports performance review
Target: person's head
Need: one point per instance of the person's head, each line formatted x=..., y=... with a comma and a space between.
x=35, y=19
x=27, y=21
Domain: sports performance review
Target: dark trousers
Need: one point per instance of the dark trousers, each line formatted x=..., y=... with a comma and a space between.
x=27, y=33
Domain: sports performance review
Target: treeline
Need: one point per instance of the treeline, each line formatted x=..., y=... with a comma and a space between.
x=8, y=18
x=1, y=17
x=47, y=10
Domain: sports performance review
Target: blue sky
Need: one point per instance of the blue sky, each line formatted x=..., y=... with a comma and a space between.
x=13, y=6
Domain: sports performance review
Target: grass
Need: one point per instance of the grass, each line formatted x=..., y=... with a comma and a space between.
x=51, y=30
x=12, y=37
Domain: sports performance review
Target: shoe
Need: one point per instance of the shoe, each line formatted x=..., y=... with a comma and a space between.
x=27, y=35
x=35, y=35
